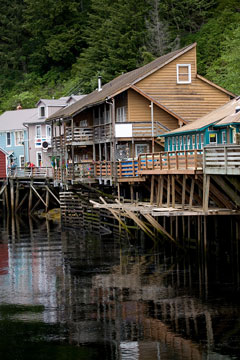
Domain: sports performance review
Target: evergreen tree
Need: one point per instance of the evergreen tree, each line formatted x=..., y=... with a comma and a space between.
x=55, y=28
x=115, y=39
x=13, y=49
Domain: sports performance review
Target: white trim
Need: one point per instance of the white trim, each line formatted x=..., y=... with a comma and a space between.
x=18, y=131
x=189, y=74
x=46, y=130
x=38, y=152
x=8, y=132
x=20, y=157
x=45, y=112
x=36, y=135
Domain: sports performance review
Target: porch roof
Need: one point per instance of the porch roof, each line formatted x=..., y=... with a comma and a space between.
x=224, y=115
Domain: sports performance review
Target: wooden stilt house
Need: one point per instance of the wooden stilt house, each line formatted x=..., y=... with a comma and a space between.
x=100, y=136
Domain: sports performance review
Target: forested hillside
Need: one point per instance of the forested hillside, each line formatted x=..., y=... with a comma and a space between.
x=59, y=47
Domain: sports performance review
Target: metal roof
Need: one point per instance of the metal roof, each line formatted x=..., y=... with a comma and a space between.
x=13, y=120
x=223, y=115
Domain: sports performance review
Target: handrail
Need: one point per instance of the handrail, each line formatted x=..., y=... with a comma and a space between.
x=223, y=159
x=31, y=172
x=171, y=160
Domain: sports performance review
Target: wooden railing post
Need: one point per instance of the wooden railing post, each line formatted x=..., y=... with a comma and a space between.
x=186, y=159
x=168, y=161
x=195, y=159
x=225, y=159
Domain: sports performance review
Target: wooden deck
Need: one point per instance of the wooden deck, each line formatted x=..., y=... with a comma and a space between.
x=154, y=210
x=170, y=162
x=28, y=173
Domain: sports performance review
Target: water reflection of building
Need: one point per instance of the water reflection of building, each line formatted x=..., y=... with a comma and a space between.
x=3, y=259
x=139, y=307
x=31, y=277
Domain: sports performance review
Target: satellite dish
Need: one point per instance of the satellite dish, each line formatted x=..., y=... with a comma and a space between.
x=45, y=145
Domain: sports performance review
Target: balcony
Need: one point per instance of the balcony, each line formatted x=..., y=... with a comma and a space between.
x=32, y=172
x=79, y=135
x=171, y=162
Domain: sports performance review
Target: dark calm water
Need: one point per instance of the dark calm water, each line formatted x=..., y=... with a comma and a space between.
x=72, y=295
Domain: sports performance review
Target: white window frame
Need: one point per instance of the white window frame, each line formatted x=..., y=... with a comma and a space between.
x=188, y=142
x=21, y=138
x=37, y=153
x=137, y=145
x=8, y=145
x=48, y=132
x=20, y=160
x=177, y=143
x=224, y=137
x=36, y=131
x=40, y=116
x=212, y=142
x=198, y=142
x=194, y=142
x=202, y=140
x=121, y=114
x=179, y=73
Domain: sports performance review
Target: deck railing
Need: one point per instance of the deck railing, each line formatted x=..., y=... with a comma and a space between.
x=33, y=172
x=171, y=160
x=79, y=134
x=224, y=159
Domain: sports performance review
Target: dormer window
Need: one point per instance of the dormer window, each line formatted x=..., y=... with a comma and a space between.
x=183, y=73
x=42, y=111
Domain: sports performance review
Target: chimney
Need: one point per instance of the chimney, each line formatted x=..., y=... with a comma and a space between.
x=99, y=83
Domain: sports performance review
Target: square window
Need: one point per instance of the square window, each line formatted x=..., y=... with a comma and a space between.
x=141, y=149
x=213, y=138
x=183, y=73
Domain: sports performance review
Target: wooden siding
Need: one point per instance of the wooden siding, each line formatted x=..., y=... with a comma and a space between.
x=2, y=165
x=190, y=101
x=139, y=111
x=85, y=115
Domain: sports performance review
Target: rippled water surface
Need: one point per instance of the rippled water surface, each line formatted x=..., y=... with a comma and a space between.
x=75, y=295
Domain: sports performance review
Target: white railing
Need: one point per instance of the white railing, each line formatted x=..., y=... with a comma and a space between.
x=31, y=172
x=224, y=159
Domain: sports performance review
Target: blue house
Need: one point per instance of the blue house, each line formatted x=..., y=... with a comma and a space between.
x=220, y=126
x=14, y=135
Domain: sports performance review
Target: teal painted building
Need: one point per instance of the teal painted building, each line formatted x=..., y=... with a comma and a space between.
x=219, y=127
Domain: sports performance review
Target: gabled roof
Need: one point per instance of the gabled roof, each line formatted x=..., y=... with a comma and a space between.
x=4, y=151
x=13, y=120
x=53, y=102
x=223, y=115
x=120, y=83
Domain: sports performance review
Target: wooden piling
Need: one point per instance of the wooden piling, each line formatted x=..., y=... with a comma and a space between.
x=12, y=195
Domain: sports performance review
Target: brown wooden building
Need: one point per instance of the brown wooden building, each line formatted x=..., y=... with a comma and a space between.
x=96, y=137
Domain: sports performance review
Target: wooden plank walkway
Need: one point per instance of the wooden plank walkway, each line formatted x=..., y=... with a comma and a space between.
x=154, y=210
